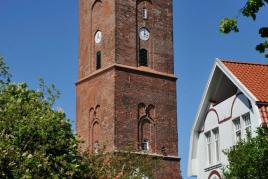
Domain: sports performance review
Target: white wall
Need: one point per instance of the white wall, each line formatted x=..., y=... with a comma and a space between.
x=222, y=116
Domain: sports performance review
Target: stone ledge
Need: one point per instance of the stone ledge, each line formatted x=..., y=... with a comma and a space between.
x=168, y=157
x=144, y=70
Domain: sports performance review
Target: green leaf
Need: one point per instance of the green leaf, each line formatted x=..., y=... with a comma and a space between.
x=227, y=25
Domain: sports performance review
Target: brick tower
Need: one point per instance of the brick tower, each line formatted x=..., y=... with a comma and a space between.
x=126, y=91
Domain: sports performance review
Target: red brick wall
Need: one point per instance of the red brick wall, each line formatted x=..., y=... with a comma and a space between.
x=134, y=88
x=160, y=25
x=109, y=98
x=168, y=169
x=96, y=15
x=91, y=93
x=119, y=22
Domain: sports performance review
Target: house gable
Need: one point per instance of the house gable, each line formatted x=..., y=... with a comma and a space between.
x=222, y=87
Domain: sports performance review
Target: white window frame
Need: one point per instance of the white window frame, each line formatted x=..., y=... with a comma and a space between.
x=247, y=122
x=216, y=135
x=237, y=130
x=213, y=151
x=209, y=147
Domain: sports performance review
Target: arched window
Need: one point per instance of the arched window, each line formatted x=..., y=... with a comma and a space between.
x=146, y=128
x=146, y=135
x=143, y=60
x=96, y=132
x=98, y=60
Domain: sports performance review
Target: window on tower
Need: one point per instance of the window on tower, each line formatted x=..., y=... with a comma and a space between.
x=96, y=147
x=143, y=60
x=145, y=145
x=98, y=60
x=145, y=13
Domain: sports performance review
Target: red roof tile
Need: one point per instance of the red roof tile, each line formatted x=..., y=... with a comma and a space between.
x=264, y=114
x=254, y=76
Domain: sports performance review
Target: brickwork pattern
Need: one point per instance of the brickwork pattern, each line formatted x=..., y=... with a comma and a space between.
x=109, y=99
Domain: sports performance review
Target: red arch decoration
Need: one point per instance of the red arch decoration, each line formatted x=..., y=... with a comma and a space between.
x=231, y=112
x=214, y=172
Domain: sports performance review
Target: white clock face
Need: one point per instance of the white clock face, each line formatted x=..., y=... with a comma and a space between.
x=98, y=37
x=144, y=34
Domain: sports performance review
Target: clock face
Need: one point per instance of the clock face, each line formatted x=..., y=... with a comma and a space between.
x=98, y=37
x=144, y=34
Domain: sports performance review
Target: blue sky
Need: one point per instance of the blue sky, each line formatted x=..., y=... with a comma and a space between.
x=40, y=39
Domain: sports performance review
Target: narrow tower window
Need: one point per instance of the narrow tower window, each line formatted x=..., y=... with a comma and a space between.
x=145, y=13
x=143, y=61
x=145, y=145
x=98, y=60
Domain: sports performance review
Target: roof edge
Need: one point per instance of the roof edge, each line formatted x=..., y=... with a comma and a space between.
x=197, y=116
x=242, y=62
x=236, y=81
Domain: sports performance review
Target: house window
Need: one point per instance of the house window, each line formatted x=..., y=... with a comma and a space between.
x=237, y=127
x=143, y=60
x=145, y=145
x=247, y=122
x=145, y=13
x=209, y=147
x=242, y=124
x=213, y=146
x=217, y=144
x=98, y=60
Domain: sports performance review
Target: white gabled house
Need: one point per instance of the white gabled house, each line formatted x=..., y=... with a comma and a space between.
x=235, y=100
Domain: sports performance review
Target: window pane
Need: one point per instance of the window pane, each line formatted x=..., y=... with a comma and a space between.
x=145, y=13
x=208, y=136
x=216, y=133
x=246, y=118
x=145, y=145
x=237, y=124
x=98, y=60
x=238, y=136
x=217, y=144
x=209, y=154
x=209, y=147
x=217, y=151
x=143, y=61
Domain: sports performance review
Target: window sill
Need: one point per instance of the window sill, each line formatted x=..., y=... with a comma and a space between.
x=213, y=167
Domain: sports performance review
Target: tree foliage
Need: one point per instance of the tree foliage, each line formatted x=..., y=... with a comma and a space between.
x=4, y=73
x=124, y=164
x=250, y=10
x=249, y=158
x=36, y=141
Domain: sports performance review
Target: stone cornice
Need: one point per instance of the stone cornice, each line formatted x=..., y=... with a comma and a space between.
x=143, y=70
x=167, y=157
